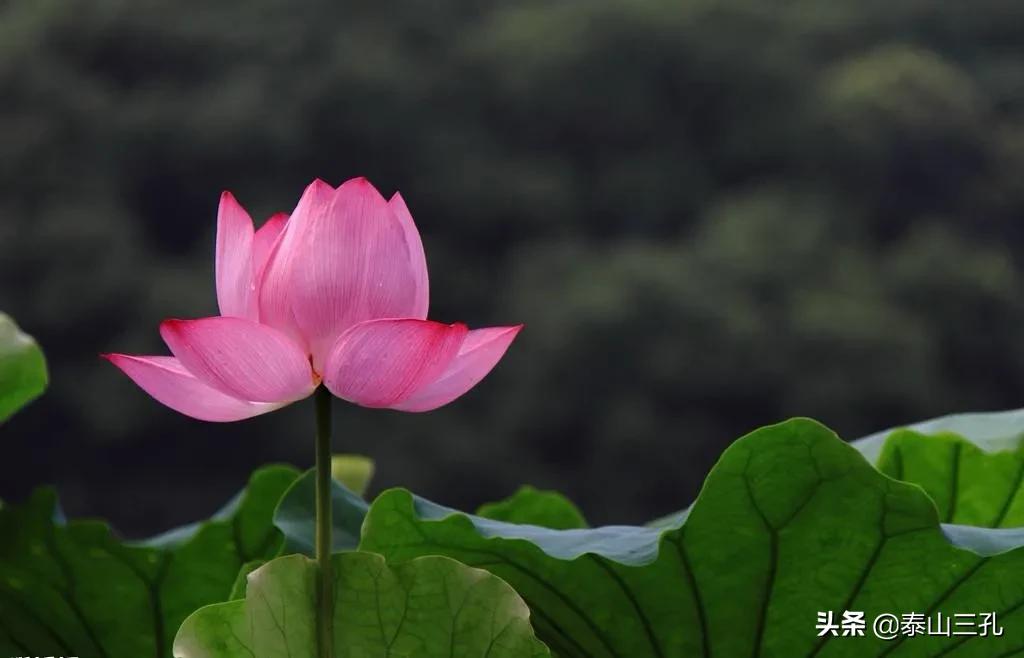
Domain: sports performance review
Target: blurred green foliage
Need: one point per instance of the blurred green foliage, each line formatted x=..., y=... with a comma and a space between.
x=23, y=375
x=710, y=215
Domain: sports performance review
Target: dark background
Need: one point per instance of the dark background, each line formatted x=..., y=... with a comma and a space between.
x=711, y=215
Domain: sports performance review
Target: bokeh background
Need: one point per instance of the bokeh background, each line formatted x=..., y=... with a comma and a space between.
x=710, y=214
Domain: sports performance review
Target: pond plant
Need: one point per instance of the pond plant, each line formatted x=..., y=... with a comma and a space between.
x=906, y=543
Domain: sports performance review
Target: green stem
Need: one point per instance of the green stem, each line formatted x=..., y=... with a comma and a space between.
x=325, y=582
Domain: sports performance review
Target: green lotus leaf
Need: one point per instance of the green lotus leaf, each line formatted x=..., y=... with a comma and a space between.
x=991, y=431
x=968, y=485
x=548, y=509
x=791, y=522
x=295, y=516
x=429, y=607
x=23, y=375
x=74, y=589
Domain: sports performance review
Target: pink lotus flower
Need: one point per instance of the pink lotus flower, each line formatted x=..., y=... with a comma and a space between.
x=335, y=294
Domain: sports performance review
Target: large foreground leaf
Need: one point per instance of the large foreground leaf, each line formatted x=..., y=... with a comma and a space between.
x=22, y=368
x=790, y=523
x=76, y=590
x=992, y=432
x=431, y=607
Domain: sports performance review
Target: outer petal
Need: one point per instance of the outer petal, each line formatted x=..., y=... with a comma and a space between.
x=355, y=264
x=416, y=254
x=380, y=363
x=273, y=282
x=264, y=241
x=241, y=358
x=480, y=352
x=234, y=259
x=166, y=379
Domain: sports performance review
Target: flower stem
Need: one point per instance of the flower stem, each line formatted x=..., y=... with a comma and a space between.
x=325, y=581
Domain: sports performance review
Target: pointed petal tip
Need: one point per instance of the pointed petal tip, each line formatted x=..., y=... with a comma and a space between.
x=172, y=324
x=511, y=330
x=173, y=327
x=228, y=201
x=361, y=185
x=167, y=381
x=479, y=354
x=320, y=184
x=120, y=360
x=233, y=257
x=125, y=362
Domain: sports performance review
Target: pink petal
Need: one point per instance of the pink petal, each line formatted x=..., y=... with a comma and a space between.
x=166, y=379
x=264, y=241
x=480, y=352
x=234, y=258
x=380, y=363
x=352, y=263
x=275, y=308
x=419, y=258
x=241, y=358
